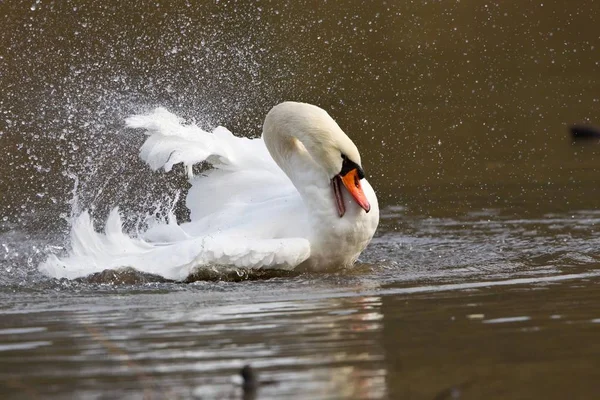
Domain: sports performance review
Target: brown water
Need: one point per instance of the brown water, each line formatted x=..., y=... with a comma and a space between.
x=483, y=278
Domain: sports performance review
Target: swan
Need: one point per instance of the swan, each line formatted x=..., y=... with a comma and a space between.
x=296, y=198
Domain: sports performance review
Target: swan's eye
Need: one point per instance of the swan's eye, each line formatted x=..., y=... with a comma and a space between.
x=348, y=165
x=361, y=173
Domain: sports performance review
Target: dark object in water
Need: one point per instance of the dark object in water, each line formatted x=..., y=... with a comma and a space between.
x=252, y=382
x=122, y=276
x=584, y=132
x=250, y=377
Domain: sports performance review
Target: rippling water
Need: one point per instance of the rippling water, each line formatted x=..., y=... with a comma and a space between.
x=482, y=282
x=479, y=306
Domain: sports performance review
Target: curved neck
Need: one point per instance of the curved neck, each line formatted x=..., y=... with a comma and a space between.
x=296, y=152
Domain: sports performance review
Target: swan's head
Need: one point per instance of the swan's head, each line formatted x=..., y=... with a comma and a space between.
x=330, y=148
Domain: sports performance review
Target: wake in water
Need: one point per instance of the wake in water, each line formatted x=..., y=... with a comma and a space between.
x=176, y=251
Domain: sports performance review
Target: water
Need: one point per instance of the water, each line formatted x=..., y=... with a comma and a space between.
x=482, y=280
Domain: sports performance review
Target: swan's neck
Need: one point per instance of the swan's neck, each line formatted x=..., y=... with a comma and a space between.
x=296, y=153
x=291, y=153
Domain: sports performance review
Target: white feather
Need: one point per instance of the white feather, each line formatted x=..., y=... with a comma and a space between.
x=245, y=211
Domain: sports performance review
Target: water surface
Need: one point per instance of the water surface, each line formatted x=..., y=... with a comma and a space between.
x=482, y=280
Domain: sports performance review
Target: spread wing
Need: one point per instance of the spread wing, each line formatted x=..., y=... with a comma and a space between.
x=245, y=212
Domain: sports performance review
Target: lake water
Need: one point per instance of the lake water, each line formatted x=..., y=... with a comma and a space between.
x=483, y=279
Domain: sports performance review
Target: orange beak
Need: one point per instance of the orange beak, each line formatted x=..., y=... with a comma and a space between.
x=352, y=183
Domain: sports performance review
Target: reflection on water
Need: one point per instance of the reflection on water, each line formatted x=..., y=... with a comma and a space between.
x=485, y=342
x=483, y=306
x=175, y=345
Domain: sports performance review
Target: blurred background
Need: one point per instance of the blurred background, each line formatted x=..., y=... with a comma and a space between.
x=454, y=105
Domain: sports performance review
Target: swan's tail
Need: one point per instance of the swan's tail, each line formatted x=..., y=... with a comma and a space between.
x=93, y=252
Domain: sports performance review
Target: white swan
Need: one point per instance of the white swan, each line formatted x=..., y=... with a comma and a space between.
x=295, y=198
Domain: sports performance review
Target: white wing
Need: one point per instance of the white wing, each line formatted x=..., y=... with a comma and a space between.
x=94, y=252
x=243, y=170
x=245, y=212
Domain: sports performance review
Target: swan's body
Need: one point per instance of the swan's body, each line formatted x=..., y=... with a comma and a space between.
x=273, y=202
